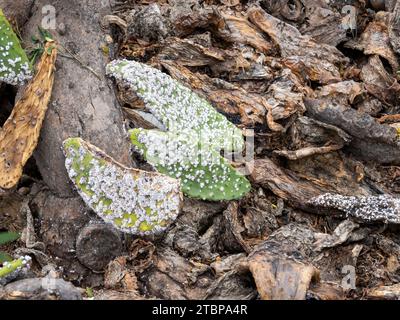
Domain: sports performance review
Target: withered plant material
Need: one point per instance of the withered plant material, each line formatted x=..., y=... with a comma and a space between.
x=322, y=22
x=285, y=94
x=340, y=235
x=280, y=278
x=279, y=267
x=310, y=137
x=283, y=99
x=375, y=41
x=187, y=53
x=190, y=53
x=379, y=82
x=292, y=43
x=286, y=184
x=41, y=289
x=282, y=9
x=229, y=99
x=344, y=92
x=371, y=140
x=19, y=135
x=394, y=28
x=240, y=30
x=312, y=68
x=384, y=292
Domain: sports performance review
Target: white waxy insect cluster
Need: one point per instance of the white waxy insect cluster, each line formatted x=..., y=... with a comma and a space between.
x=367, y=208
x=203, y=172
x=134, y=201
x=11, y=270
x=14, y=65
x=176, y=106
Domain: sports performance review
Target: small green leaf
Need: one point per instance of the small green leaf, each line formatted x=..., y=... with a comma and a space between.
x=6, y=237
x=5, y=257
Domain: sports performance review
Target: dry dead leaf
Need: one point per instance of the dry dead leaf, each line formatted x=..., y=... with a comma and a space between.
x=19, y=135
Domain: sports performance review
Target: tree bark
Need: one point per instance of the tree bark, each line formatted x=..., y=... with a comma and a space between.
x=83, y=102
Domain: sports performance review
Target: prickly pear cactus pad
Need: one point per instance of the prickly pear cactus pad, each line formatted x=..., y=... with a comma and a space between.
x=177, y=106
x=134, y=201
x=367, y=208
x=14, y=64
x=10, y=270
x=202, y=171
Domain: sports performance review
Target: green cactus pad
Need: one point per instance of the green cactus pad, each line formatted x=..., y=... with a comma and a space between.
x=10, y=270
x=133, y=201
x=203, y=173
x=14, y=64
x=177, y=106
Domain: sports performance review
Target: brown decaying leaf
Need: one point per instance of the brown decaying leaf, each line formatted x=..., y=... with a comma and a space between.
x=19, y=135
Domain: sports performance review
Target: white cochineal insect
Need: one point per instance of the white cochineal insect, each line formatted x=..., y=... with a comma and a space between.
x=366, y=208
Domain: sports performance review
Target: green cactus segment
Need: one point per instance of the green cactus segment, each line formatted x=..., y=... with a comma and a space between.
x=14, y=64
x=176, y=106
x=11, y=270
x=134, y=201
x=203, y=173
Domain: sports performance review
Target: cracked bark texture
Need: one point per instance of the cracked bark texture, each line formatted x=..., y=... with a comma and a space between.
x=82, y=104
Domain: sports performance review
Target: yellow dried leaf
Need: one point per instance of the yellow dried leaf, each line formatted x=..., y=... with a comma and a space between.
x=19, y=135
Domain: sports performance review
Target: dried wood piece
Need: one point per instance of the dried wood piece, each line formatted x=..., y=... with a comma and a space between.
x=394, y=28
x=385, y=292
x=323, y=23
x=285, y=95
x=326, y=291
x=312, y=68
x=344, y=92
x=279, y=277
x=232, y=237
x=187, y=53
x=375, y=41
x=20, y=134
x=96, y=245
x=277, y=265
x=286, y=184
x=291, y=42
x=311, y=137
x=379, y=82
x=340, y=235
x=240, y=30
x=148, y=24
x=371, y=140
